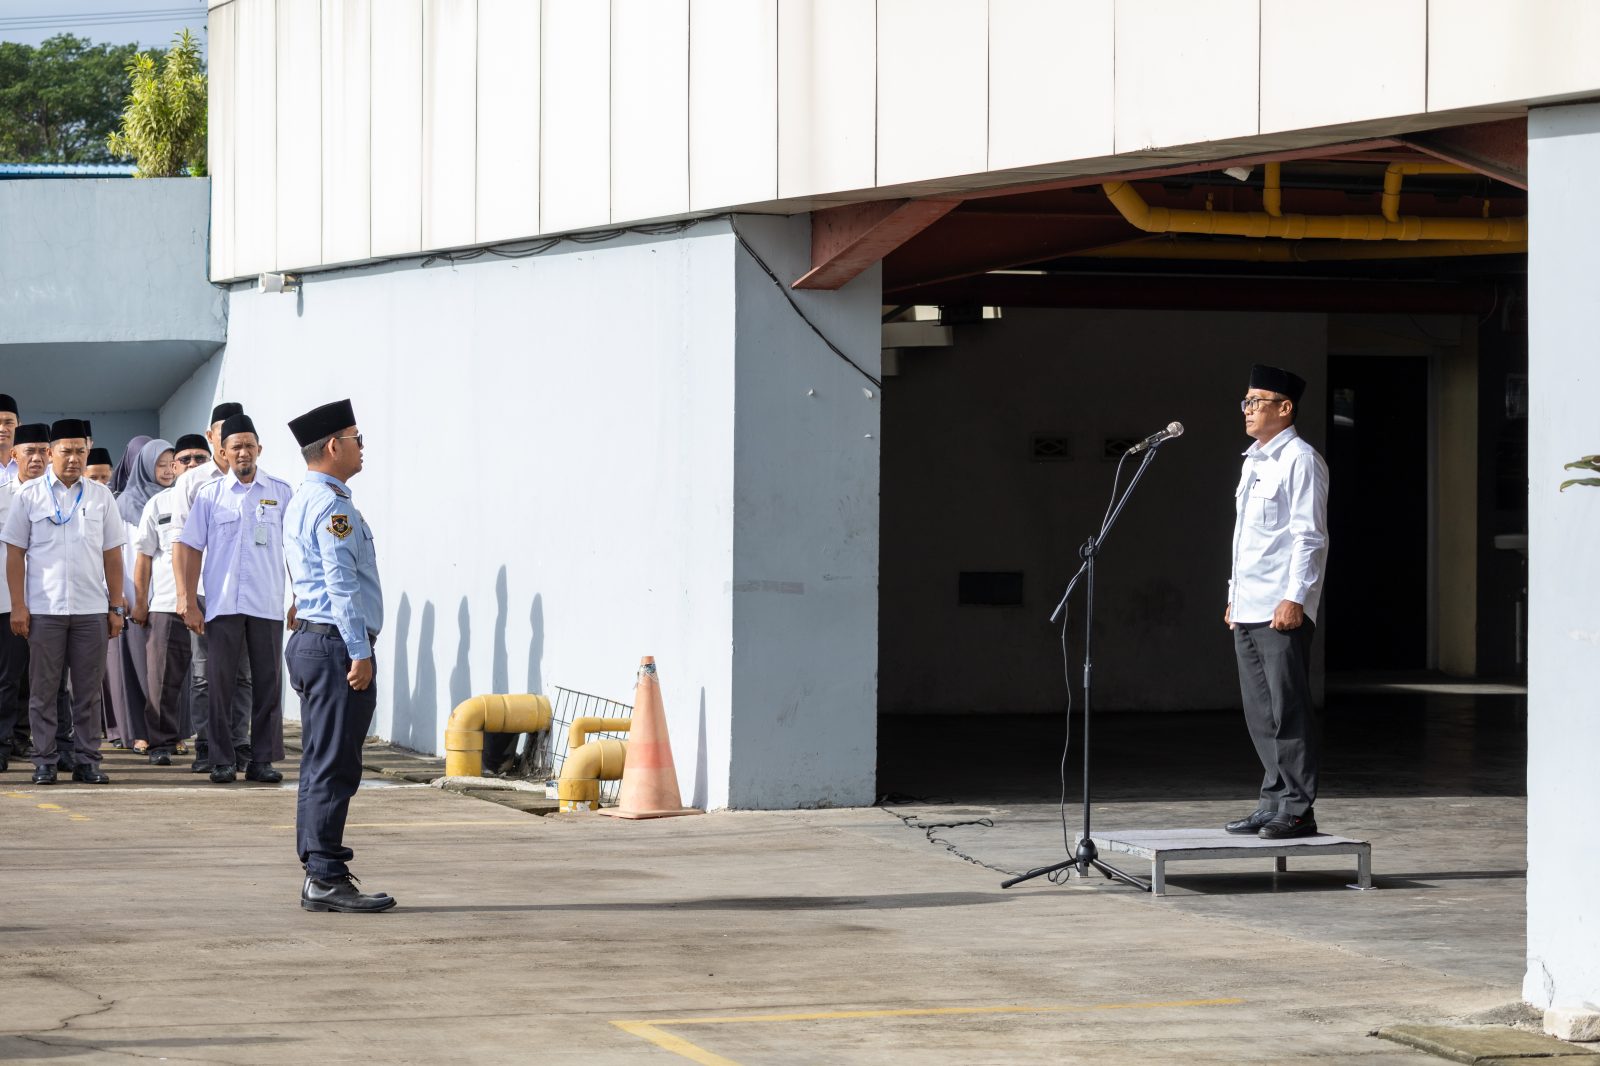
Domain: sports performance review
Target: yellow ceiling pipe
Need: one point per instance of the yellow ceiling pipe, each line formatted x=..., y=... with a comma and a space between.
x=588, y=764
x=1142, y=216
x=1396, y=172
x=472, y=718
x=1298, y=251
x=1272, y=190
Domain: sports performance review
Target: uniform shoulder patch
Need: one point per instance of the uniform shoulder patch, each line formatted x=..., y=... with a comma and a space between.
x=339, y=526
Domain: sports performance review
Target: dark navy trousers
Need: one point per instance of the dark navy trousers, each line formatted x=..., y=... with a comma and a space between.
x=334, y=720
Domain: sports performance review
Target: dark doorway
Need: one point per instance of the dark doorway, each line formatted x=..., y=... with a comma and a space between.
x=1376, y=610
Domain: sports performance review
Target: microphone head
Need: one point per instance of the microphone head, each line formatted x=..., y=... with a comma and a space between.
x=1174, y=429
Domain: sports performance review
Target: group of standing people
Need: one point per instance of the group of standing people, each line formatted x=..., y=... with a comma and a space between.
x=161, y=587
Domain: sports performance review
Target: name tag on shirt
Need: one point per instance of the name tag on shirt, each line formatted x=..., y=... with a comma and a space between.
x=261, y=534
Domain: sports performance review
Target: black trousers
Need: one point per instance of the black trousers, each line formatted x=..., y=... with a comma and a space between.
x=167, y=673
x=1275, y=681
x=230, y=640
x=334, y=720
x=59, y=644
x=13, y=673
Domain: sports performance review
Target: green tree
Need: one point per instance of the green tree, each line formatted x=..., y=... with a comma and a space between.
x=164, y=122
x=59, y=101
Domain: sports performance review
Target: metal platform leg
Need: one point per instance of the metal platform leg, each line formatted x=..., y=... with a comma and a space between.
x=1363, y=870
x=1282, y=864
x=1158, y=877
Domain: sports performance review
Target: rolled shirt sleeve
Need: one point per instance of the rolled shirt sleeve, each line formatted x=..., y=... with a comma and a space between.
x=340, y=566
x=196, y=523
x=1308, y=518
x=148, y=540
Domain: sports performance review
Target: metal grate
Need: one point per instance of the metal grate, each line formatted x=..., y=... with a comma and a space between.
x=547, y=751
x=1051, y=448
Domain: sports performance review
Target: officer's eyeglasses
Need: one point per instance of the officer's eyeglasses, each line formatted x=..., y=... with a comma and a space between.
x=1250, y=403
x=191, y=460
x=355, y=437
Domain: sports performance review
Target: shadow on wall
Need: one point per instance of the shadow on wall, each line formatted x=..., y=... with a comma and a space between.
x=536, y=646
x=700, y=775
x=461, y=675
x=416, y=705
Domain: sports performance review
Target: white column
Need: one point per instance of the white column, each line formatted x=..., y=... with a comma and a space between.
x=1564, y=581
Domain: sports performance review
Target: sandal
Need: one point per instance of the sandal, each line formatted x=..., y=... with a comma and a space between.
x=180, y=748
x=141, y=747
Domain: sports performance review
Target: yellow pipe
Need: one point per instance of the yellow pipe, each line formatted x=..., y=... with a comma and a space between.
x=1300, y=227
x=585, y=767
x=1272, y=191
x=472, y=718
x=1394, y=174
x=1298, y=251
x=578, y=734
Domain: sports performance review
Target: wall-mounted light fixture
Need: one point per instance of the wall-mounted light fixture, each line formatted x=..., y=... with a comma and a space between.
x=280, y=282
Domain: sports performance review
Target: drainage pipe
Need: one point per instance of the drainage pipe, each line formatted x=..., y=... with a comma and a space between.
x=463, y=734
x=1142, y=216
x=1395, y=173
x=588, y=764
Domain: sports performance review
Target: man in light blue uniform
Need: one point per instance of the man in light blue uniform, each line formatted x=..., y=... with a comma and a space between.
x=339, y=607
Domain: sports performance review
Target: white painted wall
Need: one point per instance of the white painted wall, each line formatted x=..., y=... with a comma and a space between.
x=494, y=120
x=553, y=483
x=1563, y=582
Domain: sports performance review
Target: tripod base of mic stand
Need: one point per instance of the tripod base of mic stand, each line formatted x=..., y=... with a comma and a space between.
x=1088, y=856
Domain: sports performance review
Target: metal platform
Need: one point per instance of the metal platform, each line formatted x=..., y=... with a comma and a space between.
x=1162, y=846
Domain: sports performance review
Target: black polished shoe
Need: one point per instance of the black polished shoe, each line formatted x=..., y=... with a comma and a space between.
x=263, y=772
x=1285, y=825
x=44, y=775
x=241, y=758
x=90, y=775
x=1251, y=823
x=5, y=764
x=160, y=758
x=341, y=894
x=223, y=775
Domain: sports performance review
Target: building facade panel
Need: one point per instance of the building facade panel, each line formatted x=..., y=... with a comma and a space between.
x=933, y=89
x=733, y=102
x=298, y=185
x=346, y=130
x=575, y=131
x=1186, y=72
x=397, y=127
x=649, y=108
x=1483, y=52
x=255, y=136
x=1051, y=81
x=449, y=122
x=1307, y=78
x=220, y=126
x=508, y=120
x=827, y=87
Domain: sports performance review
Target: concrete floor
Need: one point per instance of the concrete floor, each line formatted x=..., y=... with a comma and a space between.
x=156, y=919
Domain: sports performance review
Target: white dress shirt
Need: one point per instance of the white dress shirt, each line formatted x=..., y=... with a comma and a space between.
x=1280, y=529
x=66, y=536
x=239, y=527
x=158, y=529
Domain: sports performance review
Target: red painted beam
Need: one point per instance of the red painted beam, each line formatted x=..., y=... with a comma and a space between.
x=847, y=240
x=1205, y=294
x=1498, y=149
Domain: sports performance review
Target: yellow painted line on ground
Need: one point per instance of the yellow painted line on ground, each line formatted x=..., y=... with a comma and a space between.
x=653, y=1032
x=50, y=806
x=409, y=825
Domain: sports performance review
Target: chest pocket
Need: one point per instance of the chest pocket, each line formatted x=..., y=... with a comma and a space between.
x=90, y=523
x=45, y=532
x=1262, y=505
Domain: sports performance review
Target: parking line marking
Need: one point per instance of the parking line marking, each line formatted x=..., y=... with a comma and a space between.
x=652, y=1031
x=408, y=825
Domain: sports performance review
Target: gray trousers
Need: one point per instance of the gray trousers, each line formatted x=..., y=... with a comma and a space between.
x=167, y=670
x=237, y=640
x=75, y=643
x=200, y=695
x=1275, y=681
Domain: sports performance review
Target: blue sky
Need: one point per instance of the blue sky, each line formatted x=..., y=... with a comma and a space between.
x=150, y=23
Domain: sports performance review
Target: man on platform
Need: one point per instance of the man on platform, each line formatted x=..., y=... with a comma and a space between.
x=339, y=607
x=64, y=572
x=237, y=522
x=1280, y=552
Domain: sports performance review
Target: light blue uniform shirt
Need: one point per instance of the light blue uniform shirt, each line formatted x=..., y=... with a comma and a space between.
x=239, y=528
x=333, y=565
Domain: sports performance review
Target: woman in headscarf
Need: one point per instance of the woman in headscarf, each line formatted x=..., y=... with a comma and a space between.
x=145, y=470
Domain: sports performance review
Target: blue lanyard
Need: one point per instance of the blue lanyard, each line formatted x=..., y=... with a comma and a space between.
x=58, y=520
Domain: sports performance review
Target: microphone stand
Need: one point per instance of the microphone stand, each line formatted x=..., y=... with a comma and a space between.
x=1087, y=854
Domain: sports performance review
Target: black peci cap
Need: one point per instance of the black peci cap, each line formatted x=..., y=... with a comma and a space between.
x=98, y=457
x=191, y=441
x=68, y=429
x=7, y=403
x=1276, y=379
x=31, y=433
x=224, y=411
x=322, y=421
x=237, y=423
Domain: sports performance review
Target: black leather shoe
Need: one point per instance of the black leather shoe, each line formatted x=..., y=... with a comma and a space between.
x=263, y=772
x=1251, y=823
x=44, y=775
x=1285, y=825
x=201, y=765
x=90, y=775
x=223, y=775
x=241, y=758
x=160, y=758
x=341, y=894
x=5, y=764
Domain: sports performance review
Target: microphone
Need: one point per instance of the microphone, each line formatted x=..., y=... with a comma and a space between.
x=1174, y=429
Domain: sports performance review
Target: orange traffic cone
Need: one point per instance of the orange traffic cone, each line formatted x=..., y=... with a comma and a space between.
x=649, y=778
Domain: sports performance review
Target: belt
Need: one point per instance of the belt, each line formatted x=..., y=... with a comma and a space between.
x=331, y=631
